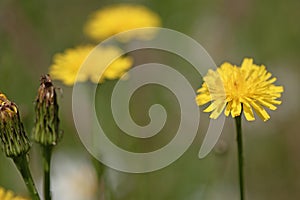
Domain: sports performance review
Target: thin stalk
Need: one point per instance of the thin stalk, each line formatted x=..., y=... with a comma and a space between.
x=99, y=167
x=238, y=122
x=47, y=152
x=22, y=165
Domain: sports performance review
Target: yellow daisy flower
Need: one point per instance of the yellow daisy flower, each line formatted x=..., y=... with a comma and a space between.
x=66, y=65
x=8, y=195
x=115, y=19
x=238, y=89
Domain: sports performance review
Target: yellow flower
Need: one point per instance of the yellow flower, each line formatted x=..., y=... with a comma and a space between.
x=238, y=89
x=67, y=65
x=115, y=19
x=8, y=195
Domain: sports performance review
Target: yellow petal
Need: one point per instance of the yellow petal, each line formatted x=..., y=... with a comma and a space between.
x=247, y=63
x=216, y=113
x=276, y=89
x=273, y=101
x=236, y=108
x=267, y=104
x=248, y=111
x=210, y=108
x=228, y=108
x=202, y=99
x=262, y=113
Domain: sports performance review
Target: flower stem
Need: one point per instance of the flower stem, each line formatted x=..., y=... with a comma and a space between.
x=99, y=167
x=238, y=122
x=22, y=165
x=47, y=152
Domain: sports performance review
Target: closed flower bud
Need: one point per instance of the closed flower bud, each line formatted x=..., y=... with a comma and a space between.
x=46, y=129
x=14, y=141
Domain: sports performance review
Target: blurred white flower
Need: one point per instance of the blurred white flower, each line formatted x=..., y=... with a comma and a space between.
x=73, y=178
x=120, y=184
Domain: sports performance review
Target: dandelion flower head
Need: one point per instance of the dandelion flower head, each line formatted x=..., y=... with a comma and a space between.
x=238, y=89
x=8, y=195
x=115, y=19
x=67, y=65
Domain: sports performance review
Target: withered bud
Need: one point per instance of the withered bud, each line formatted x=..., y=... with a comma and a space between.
x=14, y=141
x=46, y=129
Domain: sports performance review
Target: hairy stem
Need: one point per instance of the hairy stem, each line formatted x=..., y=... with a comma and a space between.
x=22, y=165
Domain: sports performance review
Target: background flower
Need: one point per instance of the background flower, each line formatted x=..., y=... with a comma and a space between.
x=9, y=195
x=66, y=66
x=74, y=178
x=114, y=19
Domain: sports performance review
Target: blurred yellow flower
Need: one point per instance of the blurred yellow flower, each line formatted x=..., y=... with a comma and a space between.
x=8, y=195
x=115, y=19
x=238, y=89
x=67, y=65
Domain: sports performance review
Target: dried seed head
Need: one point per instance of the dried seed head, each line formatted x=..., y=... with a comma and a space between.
x=46, y=129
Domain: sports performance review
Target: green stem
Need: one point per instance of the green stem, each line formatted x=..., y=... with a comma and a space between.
x=238, y=122
x=22, y=165
x=99, y=167
x=47, y=152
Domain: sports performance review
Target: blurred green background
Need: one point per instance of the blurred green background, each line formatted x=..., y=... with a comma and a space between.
x=31, y=32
